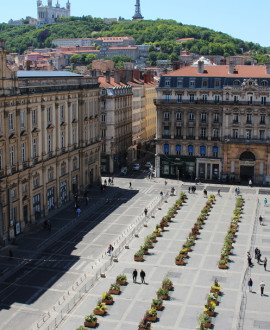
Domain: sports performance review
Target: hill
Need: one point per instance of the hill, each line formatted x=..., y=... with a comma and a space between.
x=159, y=33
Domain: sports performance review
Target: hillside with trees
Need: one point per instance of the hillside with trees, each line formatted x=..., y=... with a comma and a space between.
x=160, y=34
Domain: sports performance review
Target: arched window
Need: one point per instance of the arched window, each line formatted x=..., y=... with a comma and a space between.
x=236, y=83
x=247, y=156
x=264, y=83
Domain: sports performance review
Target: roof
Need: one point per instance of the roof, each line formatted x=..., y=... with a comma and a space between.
x=245, y=71
x=122, y=48
x=103, y=83
x=184, y=39
x=114, y=38
x=46, y=74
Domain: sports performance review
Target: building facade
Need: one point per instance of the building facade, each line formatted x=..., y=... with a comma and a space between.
x=213, y=123
x=48, y=14
x=49, y=142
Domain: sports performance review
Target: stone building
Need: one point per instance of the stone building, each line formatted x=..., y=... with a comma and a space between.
x=213, y=122
x=48, y=14
x=49, y=142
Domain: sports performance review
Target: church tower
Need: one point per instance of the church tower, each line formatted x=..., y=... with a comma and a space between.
x=39, y=3
x=49, y=3
x=68, y=5
x=137, y=15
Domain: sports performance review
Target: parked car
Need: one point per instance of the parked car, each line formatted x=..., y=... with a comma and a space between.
x=124, y=170
x=148, y=165
x=136, y=167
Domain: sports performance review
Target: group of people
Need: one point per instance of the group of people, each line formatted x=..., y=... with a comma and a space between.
x=236, y=191
x=262, y=286
x=110, y=250
x=192, y=189
x=258, y=258
x=135, y=274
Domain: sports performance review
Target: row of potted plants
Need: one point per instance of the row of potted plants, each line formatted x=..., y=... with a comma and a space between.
x=157, y=304
x=205, y=320
x=231, y=234
x=195, y=231
x=152, y=238
x=90, y=320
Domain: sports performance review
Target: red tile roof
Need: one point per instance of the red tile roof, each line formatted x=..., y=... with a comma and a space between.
x=103, y=82
x=114, y=38
x=245, y=71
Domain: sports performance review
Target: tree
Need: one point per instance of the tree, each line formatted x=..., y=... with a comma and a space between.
x=174, y=57
x=90, y=58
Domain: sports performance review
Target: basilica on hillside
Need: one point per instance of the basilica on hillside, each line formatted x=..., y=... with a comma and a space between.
x=48, y=14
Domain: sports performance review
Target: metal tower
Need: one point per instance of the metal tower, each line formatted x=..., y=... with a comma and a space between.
x=137, y=14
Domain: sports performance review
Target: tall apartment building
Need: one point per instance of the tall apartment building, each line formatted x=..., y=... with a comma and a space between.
x=49, y=142
x=213, y=122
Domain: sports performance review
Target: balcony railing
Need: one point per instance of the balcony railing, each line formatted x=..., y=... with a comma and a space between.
x=228, y=139
x=209, y=102
x=165, y=136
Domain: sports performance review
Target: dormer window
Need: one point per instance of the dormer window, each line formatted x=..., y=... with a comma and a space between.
x=204, y=83
x=167, y=82
x=236, y=83
x=191, y=83
x=179, y=82
x=264, y=83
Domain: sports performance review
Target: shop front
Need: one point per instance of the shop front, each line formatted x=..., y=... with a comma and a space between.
x=176, y=167
x=208, y=168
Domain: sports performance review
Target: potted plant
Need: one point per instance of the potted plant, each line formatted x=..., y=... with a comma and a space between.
x=216, y=287
x=205, y=320
x=114, y=288
x=148, y=242
x=157, y=304
x=121, y=279
x=167, y=284
x=107, y=298
x=213, y=297
x=144, y=248
x=151, y=315
x=144, y=324
x=100, y=308
x=180, y=260
x=81, y=328
x=184, y=252
x=163, y=293
x=157, y=231
x=153, y=238
x=222, y=264
x=209, y=308
x=138, y=256
x=90, y=321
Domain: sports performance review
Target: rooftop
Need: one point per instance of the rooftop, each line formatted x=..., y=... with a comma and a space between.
x=46, y=74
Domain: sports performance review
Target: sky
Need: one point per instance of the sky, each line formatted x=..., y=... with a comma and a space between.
x=244, y=19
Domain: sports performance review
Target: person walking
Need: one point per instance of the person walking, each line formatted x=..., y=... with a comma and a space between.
x=130, y=186
x=105, y=182
x=110, y=250
x=262, y=286
x=259, y=256
x=238, y=190
x=218, y=193
x=250, y=283
x=142, y=275
x=249, y=259
x=260, y=220
x=250, y=183
x=161, y=194
x=265, y=201
x=165, y=183
x=134, y=275
x=78, y=211
x=189, y=189
x=265, y=263
x=145, y=211
x=205, y=193
x=235, y=192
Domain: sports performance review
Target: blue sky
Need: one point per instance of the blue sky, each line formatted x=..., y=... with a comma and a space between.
x=244, y=19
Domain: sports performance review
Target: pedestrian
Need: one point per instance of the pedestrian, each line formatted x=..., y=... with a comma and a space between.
x=165, y=183
x=258, y=256
x=105, y=182
x=112, y=182
x=235, y=192
x=250, y=183
x=161, y=194
x=78, y=211
x=142, y=275
x=218, y=192
x=134, y=275
x=110, y=250
x=250, y=283
x=130, y=186
x=265, y=263
x=262, y=286
x=260, y=220
x=189, y=190
x=205, y=193
x=10, y=254
x=265, y=201
x=249, y=259
x=238, y=190
x=196, y=180
x=109, y=181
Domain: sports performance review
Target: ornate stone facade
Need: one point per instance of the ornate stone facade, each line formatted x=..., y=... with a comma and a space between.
x=48, y=14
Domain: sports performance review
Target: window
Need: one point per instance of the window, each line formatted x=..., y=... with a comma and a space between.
x=216, y=117
x=236, y=83
x=203, y=132
x=1, y=160
x=179, y=82
x=34, y=117
x=248, y=134
x=178, y=149
x=49, y=143
x=85, y=110
x=34, y=148
x=217, y=99
x=23, y=152
x=179, y=98
x=0, y=125
x=49, y=119
x=166, y=115
x=191, y=83
x=167, y=82
x=262, y=135
x=103, y=133
x=264, y=83
x=62, y=113
x=167, y=98
x=91, y=108
x=235, y=133
x=166, y=149
x=166, y=131
x=178, y=116
x=103, y=147
x=202, y=151
x=73, y=112
x=250, y=99
x=190, y=150
x=203, y=117
x=217, y=83
x=95, y=131
x=263, y=100
x=235, y=118
x=191, y=132
x=73, y=136
x=215, y=133
x=178, y=131
x=204, y=98
x=204, y=83
x=191, y=98
x=103, y=118
x=191, y=116
x=90, y=132
x=11, y=153
x=215, y=152
x=263, y=121
x=235, y=99
x=22, y=120
x=62, y=139
x=11, y=123
x=249, y=119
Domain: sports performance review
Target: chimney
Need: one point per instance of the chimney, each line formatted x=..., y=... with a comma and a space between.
x=268, y=68
x=231, y=67
x=200, y=66
x=117, y=76
x=108, y=77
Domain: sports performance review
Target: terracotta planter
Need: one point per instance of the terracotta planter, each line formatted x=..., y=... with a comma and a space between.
x=136, y=259
x=215, y=291
x=121, y=282
x=179, y=262
x=153, y=240
x=107, y=302
x=222, y=266
x=214, y=301
x=169, y=288
x=150, y=246
x=151, y=318
x=210, y=313
x=157, y=234
x=208, y=325
x=98, y=312
x=145, y=252
x=90, y=324
x=157, y=307
x=163, y=297
x=114, y=291
x=184, y=255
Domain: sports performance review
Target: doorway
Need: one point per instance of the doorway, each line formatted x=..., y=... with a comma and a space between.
x=246, y=173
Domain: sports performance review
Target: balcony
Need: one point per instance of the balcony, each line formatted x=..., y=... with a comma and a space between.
x=203, y=137
x=215, y=138
x=191, y=137
x=228, y=139
x=166, y=136
x=178, y=137
x=210, y=102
